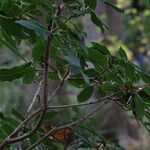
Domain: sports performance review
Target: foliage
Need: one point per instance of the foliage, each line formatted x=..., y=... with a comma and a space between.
x=117, y=79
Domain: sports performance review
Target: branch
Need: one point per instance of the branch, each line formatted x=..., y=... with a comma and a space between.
x=79, y=105
x=6, y=141
x=67, y=125
x=14, y=140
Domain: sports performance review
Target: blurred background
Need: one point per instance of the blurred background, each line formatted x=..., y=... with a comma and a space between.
x=131, y=31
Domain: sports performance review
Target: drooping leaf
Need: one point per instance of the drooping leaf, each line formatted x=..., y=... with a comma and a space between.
x=97, y=21
x=35, y=26
x=13, y=73
x=85, y=94
x=113, y=6
x=139, y=107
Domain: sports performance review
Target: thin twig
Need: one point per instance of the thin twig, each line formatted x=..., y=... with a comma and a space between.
x=59, y=87
x=78, y=105
x=35, y=97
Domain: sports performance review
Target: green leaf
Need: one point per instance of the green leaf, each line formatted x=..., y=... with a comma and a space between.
x=85, y=94
x=101, y=48
x=90, y=3
x=139, y=107
x=97, y=21
x=68, y=1
x=3, y=135
x=51, y=115
x=13, y=73
x=122, y=53
x=97, y=57
x=73, y=59
x=34, y=138
x=38, y=51
x=91, y=72
x=9, y=6
x=129, y=71
x=145, y=95
x=17, y=114
x=7, y=41
x=113, y=6
x=29, y=76
x=35, y=26
x=85, y=77
x=53, y=75
x=147, y=90
x=74, y=62
x=108, y=86
x=11, y=121
x=145, y=77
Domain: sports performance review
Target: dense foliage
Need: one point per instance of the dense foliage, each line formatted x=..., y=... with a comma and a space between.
x=59, y=53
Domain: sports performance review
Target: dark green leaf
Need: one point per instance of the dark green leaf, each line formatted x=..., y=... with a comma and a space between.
x=85, y=94
x=38, y=50
x=10, y=8
x=51, y=115
x=17, y=114
x=97, y=21
x=33, y=138
x=91, y=72
x=13, y=73
x=147, y=90
x=68, y=1
x=90, y=3
x=108, y=86
x=7, y=41
x=11, y=121
x=129, y=71
x=97, y=57
x=145, y=95
x=35, y=26
x=145, y=77
x=53, y=76
x=122, y=53
x=139, y=107
x=29, y=76
x=101, y=48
